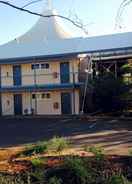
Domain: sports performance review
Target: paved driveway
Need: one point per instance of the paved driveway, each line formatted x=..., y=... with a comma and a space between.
x=110, y=133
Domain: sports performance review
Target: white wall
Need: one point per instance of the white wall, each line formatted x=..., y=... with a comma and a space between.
x=6, y=75
x=7, y=104
x=44, y=106
x=43, y=76
x=75, y=99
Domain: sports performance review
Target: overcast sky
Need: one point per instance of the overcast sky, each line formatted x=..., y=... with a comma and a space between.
x=99, y=15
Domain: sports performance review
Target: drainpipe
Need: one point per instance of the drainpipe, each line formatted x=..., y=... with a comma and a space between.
x=35, y=83
x=73, y=72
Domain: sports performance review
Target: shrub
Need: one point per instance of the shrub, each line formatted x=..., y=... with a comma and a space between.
x=118, y=180
x=98, y=152
x=78, y=171
x=38, y=176
x=55, y=180
x=38, y=162
x=130, y=152
x=107, y=92
x=58, y=144
x=39, y=148
x=14, y=179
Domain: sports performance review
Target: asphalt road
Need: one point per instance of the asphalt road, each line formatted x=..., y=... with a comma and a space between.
x=108, y=132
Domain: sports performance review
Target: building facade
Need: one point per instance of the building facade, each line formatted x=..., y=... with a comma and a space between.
x=37, y=84
x=39, y=71
x=40, y=87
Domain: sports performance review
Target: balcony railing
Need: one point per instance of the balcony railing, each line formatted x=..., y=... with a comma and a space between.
x=38, y=79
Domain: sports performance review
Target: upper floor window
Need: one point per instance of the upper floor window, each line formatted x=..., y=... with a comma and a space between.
x=45, y=66
x=35, y=66
x=40, y=66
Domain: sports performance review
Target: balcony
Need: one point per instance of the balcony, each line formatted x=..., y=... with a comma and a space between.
x=39, y=82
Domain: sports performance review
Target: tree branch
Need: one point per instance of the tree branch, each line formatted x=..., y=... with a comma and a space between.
x=122, y=6
x=77, y=24
x=30, y=3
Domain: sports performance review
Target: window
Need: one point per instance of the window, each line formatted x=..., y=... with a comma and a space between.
x=33, y=96
x=35, y=66
x=45, y=66
x=43, y=95
x=40, y=66
x=46, y=96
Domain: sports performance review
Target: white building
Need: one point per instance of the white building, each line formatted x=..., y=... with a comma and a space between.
x=39, y=70
x=39, y=83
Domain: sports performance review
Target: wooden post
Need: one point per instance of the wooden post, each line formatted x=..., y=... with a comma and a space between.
x=73, y=72
x=35, y=83
x=116, y=75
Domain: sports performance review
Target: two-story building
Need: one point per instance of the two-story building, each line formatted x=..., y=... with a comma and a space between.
x=39, y=70
x=39, y=83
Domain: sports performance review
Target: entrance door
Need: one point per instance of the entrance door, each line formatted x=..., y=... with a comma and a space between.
x=64, y=72
x=66, y=103
x=17, y=75
x=18, y=104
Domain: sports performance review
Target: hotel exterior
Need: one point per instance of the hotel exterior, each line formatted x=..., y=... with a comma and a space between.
x=37, y=84
x=39, y=71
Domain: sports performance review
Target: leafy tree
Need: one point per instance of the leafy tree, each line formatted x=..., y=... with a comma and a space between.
x=108, y=92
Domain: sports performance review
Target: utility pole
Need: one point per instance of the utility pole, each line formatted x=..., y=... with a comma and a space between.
x=88, y=71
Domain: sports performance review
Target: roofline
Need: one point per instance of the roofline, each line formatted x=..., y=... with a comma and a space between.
x=31, y=59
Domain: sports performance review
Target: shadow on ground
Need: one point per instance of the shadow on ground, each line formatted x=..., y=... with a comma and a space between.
x=112, y=134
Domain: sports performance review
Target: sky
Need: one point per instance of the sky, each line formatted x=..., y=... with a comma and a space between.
x=98, y=15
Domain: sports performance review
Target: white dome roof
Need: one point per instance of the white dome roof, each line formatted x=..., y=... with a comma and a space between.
x=45, y=29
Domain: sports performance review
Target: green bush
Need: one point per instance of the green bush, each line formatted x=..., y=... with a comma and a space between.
x=38, y=162
x=55, y=180
x=130, y=152
x=15, y=179
x=118, y=180
x=78, y=171
x=38, y=176
x=97, y=151
x=39, y=148
x=58, y=144
x=107, y=92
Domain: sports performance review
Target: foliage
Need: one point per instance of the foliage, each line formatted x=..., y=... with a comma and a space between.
x=130, y=152
x=98, y=152
x=40, y=147
x=79, y=173
x=118, y=180
x=38, y=176
x=108, y=91
x=54, y=180
x=58, y=144
x=14, y=179
x=38, y=162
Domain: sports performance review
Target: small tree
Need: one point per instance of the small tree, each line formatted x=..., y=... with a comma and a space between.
x=108, y=91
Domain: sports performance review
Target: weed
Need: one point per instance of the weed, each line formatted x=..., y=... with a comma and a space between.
x=10, y=179
x=38, y=162
x=38, y=176
x=117, y=179
x=98, y=152
x=130, y=152
x=58, y=144
x=55, y=180
x=79, y=173
x=40, y=147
